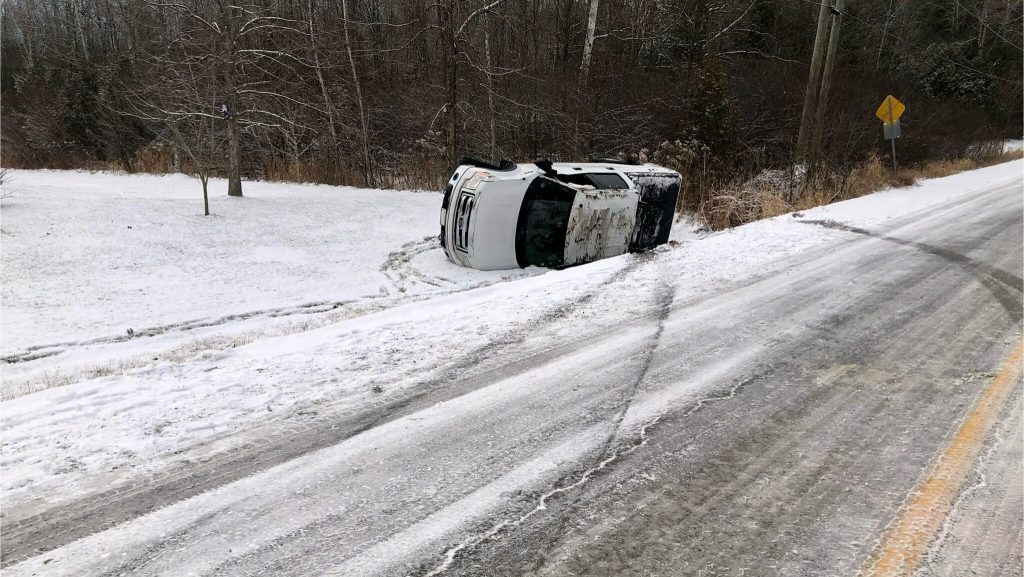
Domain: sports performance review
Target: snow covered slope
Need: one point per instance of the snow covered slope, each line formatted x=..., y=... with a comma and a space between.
x=89, y=255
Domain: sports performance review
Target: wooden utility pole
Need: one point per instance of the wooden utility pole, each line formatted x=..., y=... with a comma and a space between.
x=813, y=81
x=826, y=81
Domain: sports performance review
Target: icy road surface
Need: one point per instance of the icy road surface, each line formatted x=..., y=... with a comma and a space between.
x=776, y=399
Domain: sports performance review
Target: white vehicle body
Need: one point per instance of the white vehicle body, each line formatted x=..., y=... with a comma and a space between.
x=562, y=215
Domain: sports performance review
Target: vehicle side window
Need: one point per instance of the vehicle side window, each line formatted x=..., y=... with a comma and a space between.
x=600, y=181
x=605, y=181
x=543, y=222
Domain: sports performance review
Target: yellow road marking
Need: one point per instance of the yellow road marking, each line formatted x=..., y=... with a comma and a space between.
x=916, y=524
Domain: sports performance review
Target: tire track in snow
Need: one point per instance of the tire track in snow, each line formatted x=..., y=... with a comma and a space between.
x=135, y=497
x=53, y=528
x=400, y=271
x=453, y=554
x=138, y=496
x=995, y=279
x=397, y=268
x=36, y=352
x=541, y=504
x=608, y=451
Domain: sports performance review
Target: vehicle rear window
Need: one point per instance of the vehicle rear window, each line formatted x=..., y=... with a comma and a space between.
x=543, y=221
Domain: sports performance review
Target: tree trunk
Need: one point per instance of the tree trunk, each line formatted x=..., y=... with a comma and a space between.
x=813, y=82
x=206, y=196
x=231, y=93
x=320, y=75
x=588, y=43
x=234, y=158
x=80, y=29
x=364, y=132
x=451, y=83
x=582, y=95
x=490, y=97
x=982, y=25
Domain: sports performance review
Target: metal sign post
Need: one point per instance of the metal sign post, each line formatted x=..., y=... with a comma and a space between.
x=895, y=134
x=893, y=142
x=891, y=132
x=889, y=112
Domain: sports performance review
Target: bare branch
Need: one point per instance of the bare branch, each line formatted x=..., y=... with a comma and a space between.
x=474, y=14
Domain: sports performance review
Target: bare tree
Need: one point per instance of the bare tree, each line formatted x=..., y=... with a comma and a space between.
x=364, y=137
x=181, y=102
x=454, y=35
x=390, y=92
x=234, y=39
x=197, y=136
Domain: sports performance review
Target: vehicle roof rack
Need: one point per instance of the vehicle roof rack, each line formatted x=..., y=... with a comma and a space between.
x=504, y=165
x=629, y=161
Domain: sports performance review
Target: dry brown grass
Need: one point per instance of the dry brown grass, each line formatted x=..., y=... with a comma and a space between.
x=155, y=160
x=332, y=171
x=419, y=172
x=942, y=168
x=735, y=206
x=736, y=203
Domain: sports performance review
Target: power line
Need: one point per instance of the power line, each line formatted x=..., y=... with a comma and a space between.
x=986, y=25
x=911, y=44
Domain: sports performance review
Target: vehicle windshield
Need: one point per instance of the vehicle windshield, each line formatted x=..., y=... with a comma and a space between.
x=543, y=221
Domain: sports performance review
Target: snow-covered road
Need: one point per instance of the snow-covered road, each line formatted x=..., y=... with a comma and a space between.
x=762, y=397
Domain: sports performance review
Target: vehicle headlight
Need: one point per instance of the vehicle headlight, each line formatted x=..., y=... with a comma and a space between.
x=475, y=180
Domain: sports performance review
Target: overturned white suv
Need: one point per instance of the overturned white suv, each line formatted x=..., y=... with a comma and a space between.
x=555, y=214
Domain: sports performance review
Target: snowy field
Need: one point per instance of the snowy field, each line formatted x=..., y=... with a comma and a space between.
x=90, y=255
x=295, y=300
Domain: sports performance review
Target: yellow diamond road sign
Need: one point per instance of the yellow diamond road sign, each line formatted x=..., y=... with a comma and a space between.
x=891, y=110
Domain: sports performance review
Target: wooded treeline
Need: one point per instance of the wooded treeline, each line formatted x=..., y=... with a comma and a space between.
x=393, y=92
